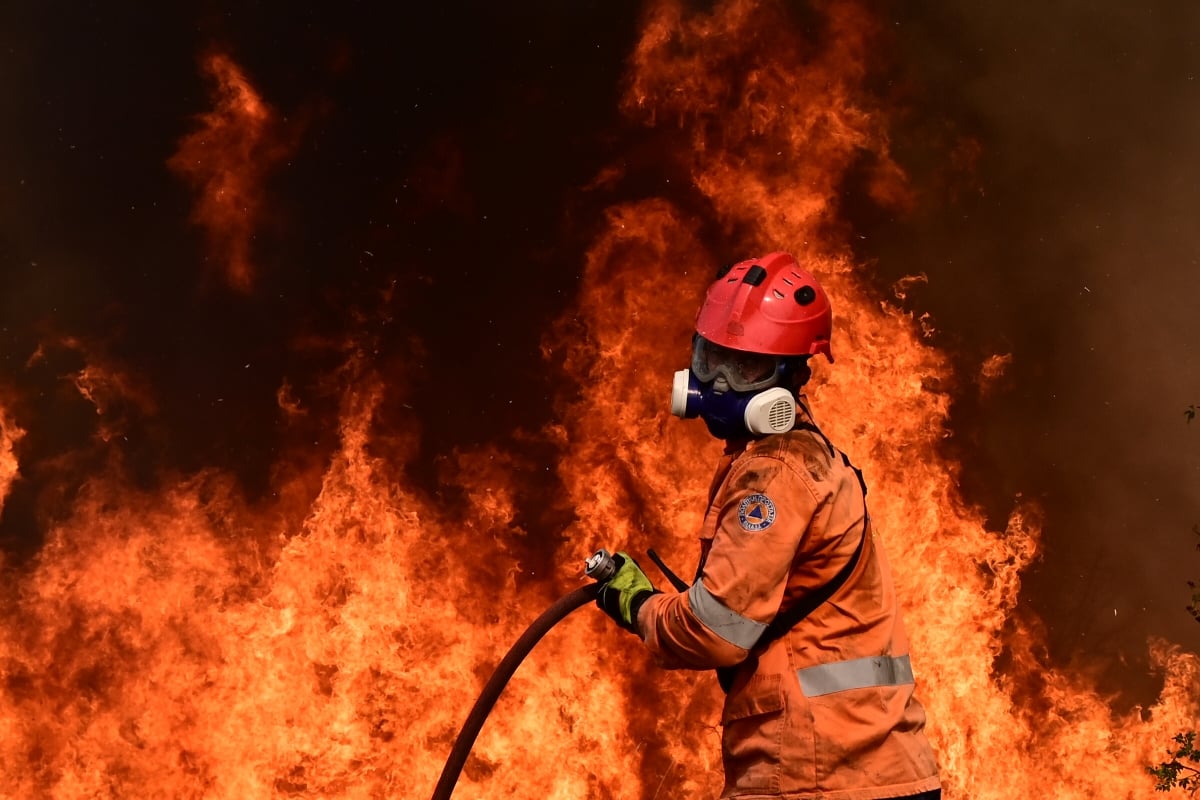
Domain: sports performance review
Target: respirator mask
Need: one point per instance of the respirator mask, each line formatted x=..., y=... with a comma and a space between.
x=736, y=393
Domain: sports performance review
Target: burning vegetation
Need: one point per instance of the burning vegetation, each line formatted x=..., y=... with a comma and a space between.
x=327, y=638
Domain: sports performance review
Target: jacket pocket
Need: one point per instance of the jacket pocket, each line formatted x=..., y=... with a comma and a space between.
x=751, y=742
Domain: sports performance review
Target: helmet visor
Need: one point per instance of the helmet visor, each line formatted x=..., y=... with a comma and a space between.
x=744, y=371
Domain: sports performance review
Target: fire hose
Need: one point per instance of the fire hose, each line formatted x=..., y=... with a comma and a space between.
x=600, y=567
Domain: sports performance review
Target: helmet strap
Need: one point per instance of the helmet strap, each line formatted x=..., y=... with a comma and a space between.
x=795, y=373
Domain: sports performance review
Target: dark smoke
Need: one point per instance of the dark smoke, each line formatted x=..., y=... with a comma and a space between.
x=434, y=208
x=428, y=211
x=1054, y=146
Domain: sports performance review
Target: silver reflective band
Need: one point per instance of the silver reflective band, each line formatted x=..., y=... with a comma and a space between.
x=730, y=626
x=857, y=674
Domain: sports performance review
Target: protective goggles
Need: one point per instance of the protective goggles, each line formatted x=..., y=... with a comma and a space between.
x=744, y=371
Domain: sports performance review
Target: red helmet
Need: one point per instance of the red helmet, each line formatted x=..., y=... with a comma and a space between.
x=767, y=305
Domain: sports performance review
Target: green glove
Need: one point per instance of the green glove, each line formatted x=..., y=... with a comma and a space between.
x=622, y=595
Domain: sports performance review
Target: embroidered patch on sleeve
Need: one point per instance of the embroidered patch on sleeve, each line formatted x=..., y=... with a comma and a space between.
x=756, y=512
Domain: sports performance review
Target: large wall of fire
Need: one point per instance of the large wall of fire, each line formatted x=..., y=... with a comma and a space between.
x=291, y=464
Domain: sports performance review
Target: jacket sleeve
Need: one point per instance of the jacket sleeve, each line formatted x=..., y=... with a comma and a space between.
x=763, y=517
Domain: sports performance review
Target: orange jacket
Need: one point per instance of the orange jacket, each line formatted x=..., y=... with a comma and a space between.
x=827, y=709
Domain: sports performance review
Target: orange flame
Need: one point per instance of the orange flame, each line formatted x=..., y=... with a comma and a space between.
x=774, y=122
x=226, y=160
x=992, y=371
x=10, y=434
x=187, y=644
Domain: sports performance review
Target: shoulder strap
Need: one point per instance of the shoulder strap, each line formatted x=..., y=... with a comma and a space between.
x=788, y=619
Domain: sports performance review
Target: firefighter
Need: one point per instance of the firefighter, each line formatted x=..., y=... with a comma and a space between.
x=793, y=600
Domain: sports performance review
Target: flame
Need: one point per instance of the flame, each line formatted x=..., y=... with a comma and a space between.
x=226, y=160
x=328, y=642
x=182, y=644
x=774, y=122
x=10, y=434
x=992, y=371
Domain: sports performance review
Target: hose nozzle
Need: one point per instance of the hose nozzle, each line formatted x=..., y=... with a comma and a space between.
x=600, y=566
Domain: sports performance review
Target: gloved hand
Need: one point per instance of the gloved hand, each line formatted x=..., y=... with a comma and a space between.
x=624, y=593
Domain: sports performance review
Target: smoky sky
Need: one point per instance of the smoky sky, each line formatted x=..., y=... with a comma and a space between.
x=1068, y=241
x=440, y=148
x=441, y=196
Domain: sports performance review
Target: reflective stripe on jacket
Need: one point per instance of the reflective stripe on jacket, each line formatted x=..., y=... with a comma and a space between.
x=827, y=710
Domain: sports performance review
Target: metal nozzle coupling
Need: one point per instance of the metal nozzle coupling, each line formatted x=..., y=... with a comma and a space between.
x=600, y=566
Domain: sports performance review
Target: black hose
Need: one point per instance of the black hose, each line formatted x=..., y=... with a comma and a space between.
x=495, y=685
x=676, y=581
